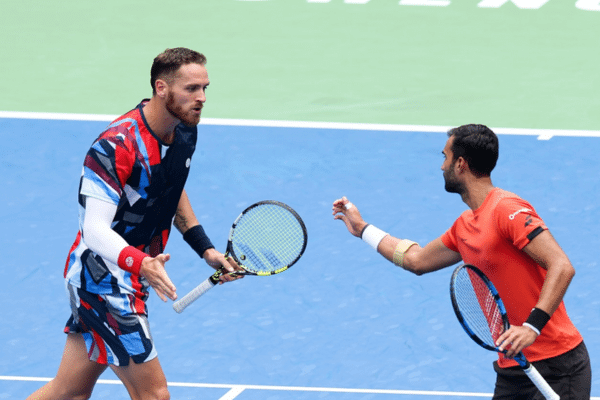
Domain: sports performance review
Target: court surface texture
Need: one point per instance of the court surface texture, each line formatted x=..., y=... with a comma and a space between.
x=342, y=318
x=309, y=101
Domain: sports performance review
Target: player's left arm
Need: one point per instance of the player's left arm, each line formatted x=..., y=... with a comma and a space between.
x=547, y=253
x=193, y=233
x=185, y=218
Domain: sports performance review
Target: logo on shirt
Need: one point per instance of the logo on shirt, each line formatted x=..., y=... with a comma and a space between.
x=528, y=221
x=188, y=162
x=513, y=215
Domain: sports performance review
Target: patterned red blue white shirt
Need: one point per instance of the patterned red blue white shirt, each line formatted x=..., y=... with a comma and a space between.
x=130, y=167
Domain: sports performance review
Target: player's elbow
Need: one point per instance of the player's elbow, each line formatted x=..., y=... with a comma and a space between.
x=412, y=263
x=420, y=262
x=563, y=269
x=571, y=270
x=568, y=270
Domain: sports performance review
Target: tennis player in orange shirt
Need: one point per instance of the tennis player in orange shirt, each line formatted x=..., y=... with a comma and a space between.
x=502, y=235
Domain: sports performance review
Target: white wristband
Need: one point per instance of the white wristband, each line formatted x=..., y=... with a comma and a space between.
x=533, y=328
x=373, y=235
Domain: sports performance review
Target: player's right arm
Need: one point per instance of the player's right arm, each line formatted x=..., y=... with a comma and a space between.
x=404, y=253
x=420, y=260
x=104, y=241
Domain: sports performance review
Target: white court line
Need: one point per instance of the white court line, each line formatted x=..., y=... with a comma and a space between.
x=56, y=116
x=232, y=394
x=542, y=134
x=237, y=389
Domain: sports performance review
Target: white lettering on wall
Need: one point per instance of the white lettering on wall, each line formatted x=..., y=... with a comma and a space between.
x=588, y=5
x=524, y=4
x=435, y=3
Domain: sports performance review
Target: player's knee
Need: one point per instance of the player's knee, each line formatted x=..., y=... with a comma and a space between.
x=165, y=395
x=161, y=393
x=79, y=395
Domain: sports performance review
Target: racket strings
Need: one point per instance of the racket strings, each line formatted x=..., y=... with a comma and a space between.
x=488, y=305
x=478, y=307
x=268, y=237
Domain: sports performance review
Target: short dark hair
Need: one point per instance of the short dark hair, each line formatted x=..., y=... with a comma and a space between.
x=169, y=61
x=478, y=145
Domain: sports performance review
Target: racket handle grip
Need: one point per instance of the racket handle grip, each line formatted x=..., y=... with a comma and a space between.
x=193, y=295
x=541, y=383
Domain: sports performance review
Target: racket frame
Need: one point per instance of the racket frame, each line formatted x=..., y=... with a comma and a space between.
x=520, y=358
x=211, y=281
x=231, y=252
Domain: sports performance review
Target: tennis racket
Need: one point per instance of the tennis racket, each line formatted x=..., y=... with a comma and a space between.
x=266, y=238
x=481, y=313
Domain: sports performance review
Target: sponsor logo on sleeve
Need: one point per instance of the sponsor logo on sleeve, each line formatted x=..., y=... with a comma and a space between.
x=513, y=215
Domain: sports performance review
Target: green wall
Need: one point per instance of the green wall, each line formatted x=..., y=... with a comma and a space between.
x=379, y=62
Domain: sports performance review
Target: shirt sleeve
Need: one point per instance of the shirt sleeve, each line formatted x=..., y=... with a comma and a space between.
x=449, y=238
x=518, y=222
x=106, y=168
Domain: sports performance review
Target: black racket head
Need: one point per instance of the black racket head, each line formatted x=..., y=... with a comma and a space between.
x=267, y=238
x=478, y=306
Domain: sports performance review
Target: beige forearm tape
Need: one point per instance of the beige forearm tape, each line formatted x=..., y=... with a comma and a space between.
x=401, y=249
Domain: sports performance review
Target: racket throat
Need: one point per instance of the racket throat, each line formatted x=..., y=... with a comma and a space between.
x=522, y=361
x=215, y=278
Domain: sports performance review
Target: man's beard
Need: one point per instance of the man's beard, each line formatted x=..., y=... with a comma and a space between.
x=451, y=184
x=177, y=111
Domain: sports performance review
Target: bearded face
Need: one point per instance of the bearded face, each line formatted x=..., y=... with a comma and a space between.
x=451, y=182
x=189, y=114
x=185, y=93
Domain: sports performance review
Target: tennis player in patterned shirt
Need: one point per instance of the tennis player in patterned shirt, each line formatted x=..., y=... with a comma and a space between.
x=131, y=192
x=503, y=236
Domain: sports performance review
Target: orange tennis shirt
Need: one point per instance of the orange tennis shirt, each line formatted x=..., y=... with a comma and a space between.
x=492, y=238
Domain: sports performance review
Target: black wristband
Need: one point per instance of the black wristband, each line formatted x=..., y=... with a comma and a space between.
x=197, y=239
x=538, y=319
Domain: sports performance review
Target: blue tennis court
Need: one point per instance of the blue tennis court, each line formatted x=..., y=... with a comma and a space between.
x=342, y=323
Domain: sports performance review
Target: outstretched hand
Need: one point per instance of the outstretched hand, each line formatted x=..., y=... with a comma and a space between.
x=344, y=210
x=153, y=269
